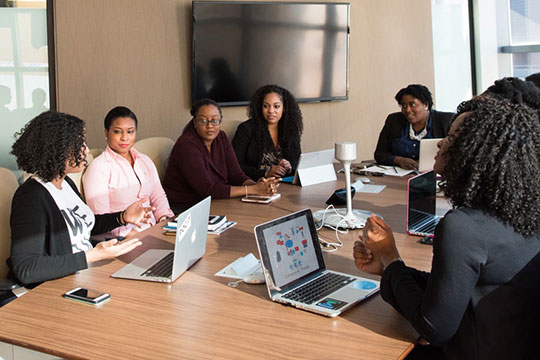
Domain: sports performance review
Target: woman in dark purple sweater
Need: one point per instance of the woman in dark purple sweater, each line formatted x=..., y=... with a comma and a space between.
x=203, y=163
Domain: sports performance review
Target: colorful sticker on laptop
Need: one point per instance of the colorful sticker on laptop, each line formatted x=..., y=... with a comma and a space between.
x=331, y=304
x=364, y=285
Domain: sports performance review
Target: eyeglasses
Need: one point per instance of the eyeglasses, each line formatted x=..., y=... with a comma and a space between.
x=205, y=122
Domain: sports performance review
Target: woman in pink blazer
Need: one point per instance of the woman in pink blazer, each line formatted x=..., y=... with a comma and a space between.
x=121, y=175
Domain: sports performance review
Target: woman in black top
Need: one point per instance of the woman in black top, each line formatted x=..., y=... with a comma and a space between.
x=50, y=225
x=399, y=140
x=268, y=144
x=480, y=300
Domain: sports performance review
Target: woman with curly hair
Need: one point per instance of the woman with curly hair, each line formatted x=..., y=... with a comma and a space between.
x=50, y=224
x=268, y=144
x=399, y=140
x=480, y=300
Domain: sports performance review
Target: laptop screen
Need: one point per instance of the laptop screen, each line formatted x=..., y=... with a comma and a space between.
x=421, y=196
x=290, y=247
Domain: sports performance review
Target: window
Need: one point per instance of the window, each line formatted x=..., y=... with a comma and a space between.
x=524, y=37
x=24, y=69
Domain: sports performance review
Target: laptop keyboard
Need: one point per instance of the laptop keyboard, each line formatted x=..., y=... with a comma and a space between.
x=318, y=288
x=163, y=268
x=423, y=223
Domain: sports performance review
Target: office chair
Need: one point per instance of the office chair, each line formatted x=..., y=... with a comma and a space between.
x=510, y=316
x=7, y=190
x=95, y=152
x=158, y=149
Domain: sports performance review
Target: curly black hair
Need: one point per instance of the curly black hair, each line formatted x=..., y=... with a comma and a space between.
x=534, y=78
x=46, y=144
x=418, y=91
x=290, y=125
x=493, y=162
x=516, y=90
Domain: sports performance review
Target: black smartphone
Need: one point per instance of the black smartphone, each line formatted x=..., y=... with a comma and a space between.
x=87, y=295
x=339, y=197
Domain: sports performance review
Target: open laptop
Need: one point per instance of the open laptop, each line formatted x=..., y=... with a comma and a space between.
x=315, y=167
x=421, y=204
x=295, y=272
x=428, y=150
x=167, y=265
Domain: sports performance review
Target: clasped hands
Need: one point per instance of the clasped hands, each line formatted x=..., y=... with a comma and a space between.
x=281, y=169
x=377, y=248
x=136, y=214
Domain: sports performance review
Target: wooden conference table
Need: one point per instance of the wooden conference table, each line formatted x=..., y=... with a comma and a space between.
x=199, y=316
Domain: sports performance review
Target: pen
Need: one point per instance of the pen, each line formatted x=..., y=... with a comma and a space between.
x=395, y=169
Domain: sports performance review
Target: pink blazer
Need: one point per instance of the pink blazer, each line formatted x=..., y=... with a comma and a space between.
x=110, y=184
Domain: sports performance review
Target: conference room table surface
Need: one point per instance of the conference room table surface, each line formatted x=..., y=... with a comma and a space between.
x=200, y=316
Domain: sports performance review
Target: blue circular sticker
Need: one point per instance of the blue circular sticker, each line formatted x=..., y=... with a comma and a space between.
x=365, y=285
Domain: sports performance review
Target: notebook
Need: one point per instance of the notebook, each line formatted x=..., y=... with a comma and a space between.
x=428, y=150
x=295, y=272
x=421, y=204
x=167, y=265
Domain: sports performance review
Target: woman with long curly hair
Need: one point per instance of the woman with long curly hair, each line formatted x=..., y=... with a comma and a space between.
x=480, y=300
x=50, y=224
x=268, y=144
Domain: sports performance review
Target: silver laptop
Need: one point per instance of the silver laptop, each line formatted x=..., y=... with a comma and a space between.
x=422, y=204
x=428, y=150
x=295, y=272
x=167, y=265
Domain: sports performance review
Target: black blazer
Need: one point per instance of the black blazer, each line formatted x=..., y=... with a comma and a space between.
x=394, y=125
x=40, y=242
x=248, y=153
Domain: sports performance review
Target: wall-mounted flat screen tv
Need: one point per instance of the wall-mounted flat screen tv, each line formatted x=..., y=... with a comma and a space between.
x=239, y=46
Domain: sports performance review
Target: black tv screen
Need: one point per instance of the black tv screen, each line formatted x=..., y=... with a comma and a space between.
x=240, y=46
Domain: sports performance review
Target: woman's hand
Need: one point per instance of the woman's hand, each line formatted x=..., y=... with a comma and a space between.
x=137, y=213
x=265, y=186
x=364, y=260
x=379, y=239
x=284, y=163
x=111, y=249
x=275, y=171
x=406, y=163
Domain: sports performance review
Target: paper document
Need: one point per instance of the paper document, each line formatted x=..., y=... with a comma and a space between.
x=388, y=170
x=360, y=187
x=241, y=267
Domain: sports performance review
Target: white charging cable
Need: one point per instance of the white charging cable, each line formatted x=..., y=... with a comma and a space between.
x=328, y=246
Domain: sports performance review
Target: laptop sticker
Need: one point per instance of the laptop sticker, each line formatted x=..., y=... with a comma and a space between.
x=364, y=285
x=182, y=230
x=331, y=304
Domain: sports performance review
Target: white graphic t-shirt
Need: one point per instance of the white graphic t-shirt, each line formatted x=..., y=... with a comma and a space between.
x=78, y=216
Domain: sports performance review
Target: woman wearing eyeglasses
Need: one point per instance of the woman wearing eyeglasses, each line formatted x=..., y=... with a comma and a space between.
x=203, y=163
x=399, y=140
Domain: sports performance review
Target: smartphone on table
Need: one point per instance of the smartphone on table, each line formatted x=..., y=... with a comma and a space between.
x=88, y=296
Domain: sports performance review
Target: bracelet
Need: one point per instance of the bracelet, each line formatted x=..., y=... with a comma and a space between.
x=245, y=188
x=122, y=219
x=393, y=261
